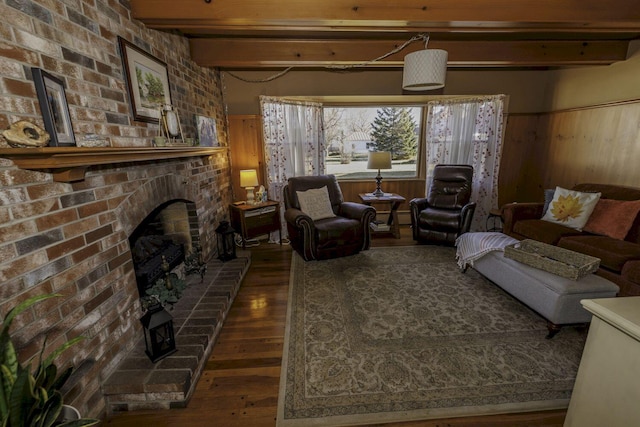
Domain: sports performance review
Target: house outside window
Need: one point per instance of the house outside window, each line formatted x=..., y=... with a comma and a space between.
x=351, y=132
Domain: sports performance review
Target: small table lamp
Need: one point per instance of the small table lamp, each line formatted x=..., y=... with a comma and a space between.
x=248, y=180
x=379, y=160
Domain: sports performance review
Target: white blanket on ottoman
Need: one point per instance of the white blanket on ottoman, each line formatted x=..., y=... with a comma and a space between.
x=472, y=246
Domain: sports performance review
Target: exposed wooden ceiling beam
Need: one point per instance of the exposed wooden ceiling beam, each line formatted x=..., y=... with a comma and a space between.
x=477, y=33
x=243, y=53
x=379, y=14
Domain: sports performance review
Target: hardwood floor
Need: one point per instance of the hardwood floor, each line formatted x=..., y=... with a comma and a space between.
x=239, y=386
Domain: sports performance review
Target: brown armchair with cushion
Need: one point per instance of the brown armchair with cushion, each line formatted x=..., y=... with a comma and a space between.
x=321, y=224
x=447, y=211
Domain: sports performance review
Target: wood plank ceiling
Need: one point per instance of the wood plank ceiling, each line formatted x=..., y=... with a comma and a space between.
x=257, y=34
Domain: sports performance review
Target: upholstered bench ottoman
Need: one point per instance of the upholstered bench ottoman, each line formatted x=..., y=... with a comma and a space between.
x=555, y=298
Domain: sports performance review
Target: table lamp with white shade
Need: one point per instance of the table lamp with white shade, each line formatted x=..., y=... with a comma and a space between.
x=379, y=160
x=249, y=180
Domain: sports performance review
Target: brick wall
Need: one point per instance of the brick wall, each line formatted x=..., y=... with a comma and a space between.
x=72, y=238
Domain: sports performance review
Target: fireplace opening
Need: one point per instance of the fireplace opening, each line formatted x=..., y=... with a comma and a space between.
x=161, y=243
x=154, y=257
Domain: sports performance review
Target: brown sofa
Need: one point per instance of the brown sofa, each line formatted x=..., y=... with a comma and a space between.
x=619, y=259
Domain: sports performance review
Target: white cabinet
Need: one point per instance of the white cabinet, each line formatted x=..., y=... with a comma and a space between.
x=607, y=388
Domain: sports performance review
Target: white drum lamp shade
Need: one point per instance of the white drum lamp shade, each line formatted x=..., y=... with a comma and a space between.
x=425, y=69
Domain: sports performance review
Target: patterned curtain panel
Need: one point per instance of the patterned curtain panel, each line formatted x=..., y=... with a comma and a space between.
x=293, y=133
x=469, y=131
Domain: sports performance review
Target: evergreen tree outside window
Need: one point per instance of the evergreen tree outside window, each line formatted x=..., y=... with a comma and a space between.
x=351, y=132
x=394, y=130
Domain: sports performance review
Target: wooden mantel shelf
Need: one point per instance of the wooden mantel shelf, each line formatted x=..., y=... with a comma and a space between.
x=68, y=164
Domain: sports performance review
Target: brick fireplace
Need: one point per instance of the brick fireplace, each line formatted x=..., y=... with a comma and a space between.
x=65, y=229
x=72, y=239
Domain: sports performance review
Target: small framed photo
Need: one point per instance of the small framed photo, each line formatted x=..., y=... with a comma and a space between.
x=147, y=82
x=54, y=108
x=207, y=131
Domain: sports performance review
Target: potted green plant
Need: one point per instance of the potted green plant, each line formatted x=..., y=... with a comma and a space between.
x=32, y=397
x=166, y=290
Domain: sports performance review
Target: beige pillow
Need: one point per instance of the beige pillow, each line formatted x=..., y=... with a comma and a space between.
x=315, y=202
x=571, y=208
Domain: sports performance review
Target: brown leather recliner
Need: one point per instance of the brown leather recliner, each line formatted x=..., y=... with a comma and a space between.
x=345, y=234
x=446, y=212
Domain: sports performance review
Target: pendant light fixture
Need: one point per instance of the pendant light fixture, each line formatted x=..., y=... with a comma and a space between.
x=425, y=69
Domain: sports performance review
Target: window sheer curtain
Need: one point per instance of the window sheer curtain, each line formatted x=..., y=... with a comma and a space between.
x=469, y=131
x=293, y=133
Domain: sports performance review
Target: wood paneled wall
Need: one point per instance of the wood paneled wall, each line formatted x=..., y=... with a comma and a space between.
x=520, y=173
x=247, y=150
x=599, y=144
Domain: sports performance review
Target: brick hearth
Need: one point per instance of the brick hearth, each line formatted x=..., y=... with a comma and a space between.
x=138, y=383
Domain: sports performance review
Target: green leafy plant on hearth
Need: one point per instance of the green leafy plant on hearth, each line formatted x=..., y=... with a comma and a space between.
x=167, y=290
x=30, y=396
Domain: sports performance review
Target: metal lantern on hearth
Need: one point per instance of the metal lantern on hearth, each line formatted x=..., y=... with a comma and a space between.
x=226, y=241
x=158, y=333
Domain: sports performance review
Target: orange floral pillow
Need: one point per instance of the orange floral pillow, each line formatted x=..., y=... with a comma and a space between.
x=571, y=208
x=613, y=218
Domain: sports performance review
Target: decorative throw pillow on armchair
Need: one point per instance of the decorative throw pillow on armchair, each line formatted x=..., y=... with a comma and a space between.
x=316, y=203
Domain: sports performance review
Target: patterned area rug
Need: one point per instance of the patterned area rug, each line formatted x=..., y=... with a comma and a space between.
x=399, y=334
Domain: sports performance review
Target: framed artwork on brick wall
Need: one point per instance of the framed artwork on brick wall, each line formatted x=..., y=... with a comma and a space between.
x=54, y=108
x=207, y=131
x=147, y=82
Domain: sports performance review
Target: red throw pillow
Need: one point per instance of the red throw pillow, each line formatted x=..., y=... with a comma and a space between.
x=613, y=218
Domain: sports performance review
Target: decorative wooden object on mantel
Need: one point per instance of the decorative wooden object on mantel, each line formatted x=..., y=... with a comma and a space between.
x=69, y=164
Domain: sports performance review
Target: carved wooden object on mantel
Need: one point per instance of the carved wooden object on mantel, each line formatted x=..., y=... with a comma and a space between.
x=68, y=164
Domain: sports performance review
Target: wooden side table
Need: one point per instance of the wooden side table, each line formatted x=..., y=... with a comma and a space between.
x=255, y=220
x=393, y=201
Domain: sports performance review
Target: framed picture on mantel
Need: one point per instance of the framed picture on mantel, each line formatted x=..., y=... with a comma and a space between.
x=147, y=82
x=54, y=108
x=207, y=131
